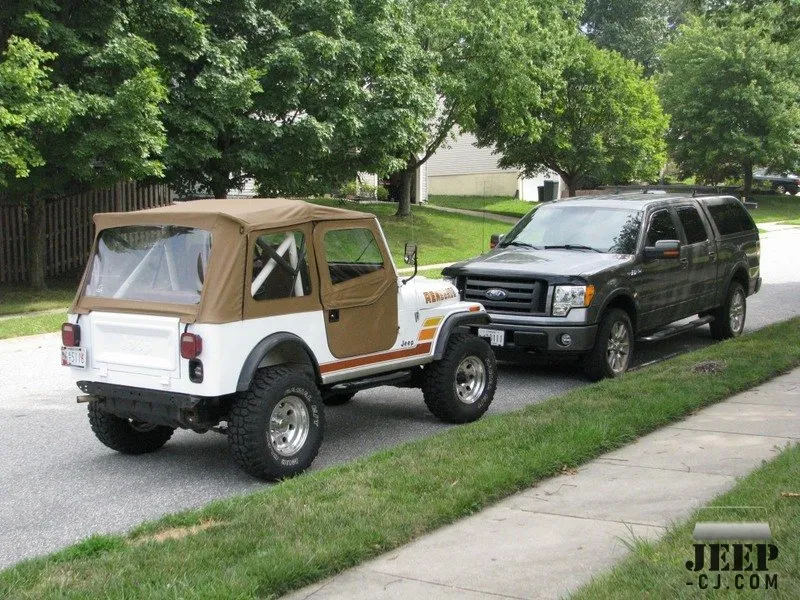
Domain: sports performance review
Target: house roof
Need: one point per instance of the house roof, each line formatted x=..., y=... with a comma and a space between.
x=250, y=213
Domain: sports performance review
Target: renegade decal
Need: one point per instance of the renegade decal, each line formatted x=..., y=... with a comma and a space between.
x=438, y=295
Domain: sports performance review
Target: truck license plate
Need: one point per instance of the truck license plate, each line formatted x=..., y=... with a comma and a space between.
x=73, y=357
x=497, y=337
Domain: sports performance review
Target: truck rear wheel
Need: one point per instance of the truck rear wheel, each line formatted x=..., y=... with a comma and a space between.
x=460, y=387
x=275, y=428
x=729, y=318
x=126, y=435
x=613, y=348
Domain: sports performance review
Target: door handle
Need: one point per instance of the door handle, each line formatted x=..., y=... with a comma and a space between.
x=333, y=316
x=712, y=256
x=684, y=263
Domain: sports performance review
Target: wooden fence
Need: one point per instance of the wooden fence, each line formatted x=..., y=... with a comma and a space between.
x=69, y=229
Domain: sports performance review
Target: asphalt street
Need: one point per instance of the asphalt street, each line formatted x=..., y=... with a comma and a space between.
x=59, y=484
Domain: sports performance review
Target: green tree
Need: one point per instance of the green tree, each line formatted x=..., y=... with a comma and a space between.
x=732, y=92
x=300, y=95
x=100, y=122
x=606, y=124
x=477, y=50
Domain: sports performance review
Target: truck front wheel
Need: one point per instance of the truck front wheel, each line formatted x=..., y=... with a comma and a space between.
x=613, y=348
x=126, y=435
x=460, y=387
x=275, y=428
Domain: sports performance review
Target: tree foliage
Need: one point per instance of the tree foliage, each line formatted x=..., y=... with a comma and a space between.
x=606, y=124
x=731, y=87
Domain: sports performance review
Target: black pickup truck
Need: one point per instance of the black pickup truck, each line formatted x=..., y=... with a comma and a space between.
x=587, y=277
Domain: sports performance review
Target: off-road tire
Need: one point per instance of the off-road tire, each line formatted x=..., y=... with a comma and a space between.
x=337, y=399
x=250, y=420
x=596, y=364
x=721, y=327
x=123, y=436
x=439, y=382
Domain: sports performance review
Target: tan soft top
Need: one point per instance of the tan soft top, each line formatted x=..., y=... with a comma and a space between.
x=250, y=213
x=228, y=221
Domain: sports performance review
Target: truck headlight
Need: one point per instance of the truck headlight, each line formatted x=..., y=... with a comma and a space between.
x=571, y=296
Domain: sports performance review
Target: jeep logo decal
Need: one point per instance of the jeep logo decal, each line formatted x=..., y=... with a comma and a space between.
x=496, y=294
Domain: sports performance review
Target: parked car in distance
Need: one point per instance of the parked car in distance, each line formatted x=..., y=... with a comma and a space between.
x=782, y=183
x=244, y=317
x=589, y=277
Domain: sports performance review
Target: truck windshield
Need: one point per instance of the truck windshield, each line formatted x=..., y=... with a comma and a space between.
x=153, y=263
x=578, y=228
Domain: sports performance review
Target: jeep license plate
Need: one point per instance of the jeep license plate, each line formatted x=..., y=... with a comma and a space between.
x=73, y=357
x=497, y=337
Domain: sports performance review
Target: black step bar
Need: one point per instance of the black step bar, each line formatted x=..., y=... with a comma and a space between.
x=673, y=330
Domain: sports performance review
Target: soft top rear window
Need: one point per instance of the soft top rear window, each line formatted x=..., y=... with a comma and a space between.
x=152, y=263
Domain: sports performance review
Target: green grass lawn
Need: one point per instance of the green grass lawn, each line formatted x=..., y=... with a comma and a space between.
x=20, y=299
x=659, y=567
x=776, y=208
x=310, y=527
x=31, y=325
x=501, y=205
x=441, y=237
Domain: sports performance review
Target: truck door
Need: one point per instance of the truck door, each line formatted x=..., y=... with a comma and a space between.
x=701, y=252
x=663, y=285
x=358, y=285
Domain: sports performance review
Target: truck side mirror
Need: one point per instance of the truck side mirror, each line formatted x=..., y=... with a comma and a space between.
x=663, y=249
x=410, y=257
x=495, y=239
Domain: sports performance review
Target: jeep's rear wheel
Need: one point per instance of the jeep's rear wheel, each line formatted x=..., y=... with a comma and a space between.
x=275, y=428
x=127, y=436
x=729, y=318
x=613, y=348
x=460, y=387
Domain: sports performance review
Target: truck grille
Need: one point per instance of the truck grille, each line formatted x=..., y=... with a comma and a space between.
x=522, y=296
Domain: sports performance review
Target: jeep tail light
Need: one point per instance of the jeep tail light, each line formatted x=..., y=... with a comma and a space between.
x=71, y=334
x=191, y=345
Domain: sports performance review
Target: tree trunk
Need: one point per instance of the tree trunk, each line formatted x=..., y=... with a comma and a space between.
x=572, y=187
x=219, y=188
x=404, y=205
x=36, y=242
x=748, y=181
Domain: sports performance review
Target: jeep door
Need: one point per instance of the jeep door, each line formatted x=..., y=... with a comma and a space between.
x=663, y=284
x=701, y=252
x=358, y=287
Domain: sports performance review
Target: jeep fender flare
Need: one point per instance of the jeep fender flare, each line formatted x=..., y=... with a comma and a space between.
x=454, y=322
x=267, y=345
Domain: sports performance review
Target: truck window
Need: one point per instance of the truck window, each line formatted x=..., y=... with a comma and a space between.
x=661, y=228
x=351, y=253
x=730, y=217
x=692, y=225
x=280, y=269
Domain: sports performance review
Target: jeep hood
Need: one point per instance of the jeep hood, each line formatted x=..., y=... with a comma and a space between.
x=549, y=264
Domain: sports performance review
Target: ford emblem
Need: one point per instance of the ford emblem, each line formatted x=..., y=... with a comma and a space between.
x=496, y=294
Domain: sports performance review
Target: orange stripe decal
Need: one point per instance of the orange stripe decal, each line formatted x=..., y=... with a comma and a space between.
x=351, y=363
x=427, y=334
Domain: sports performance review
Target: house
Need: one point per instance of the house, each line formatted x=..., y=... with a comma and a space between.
x=461, y=168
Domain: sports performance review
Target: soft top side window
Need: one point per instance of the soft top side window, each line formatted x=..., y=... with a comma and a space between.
x=351, y=253
x=280, y=268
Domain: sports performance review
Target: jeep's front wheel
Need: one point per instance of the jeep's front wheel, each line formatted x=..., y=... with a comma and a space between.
x=460, y=387
x=127, y=436
x=613, y=348
x=275, y=427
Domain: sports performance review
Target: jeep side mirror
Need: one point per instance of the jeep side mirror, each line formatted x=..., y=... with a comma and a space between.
x=410, y=257
x=663, y=249
x=494, y=240
x=410, y=253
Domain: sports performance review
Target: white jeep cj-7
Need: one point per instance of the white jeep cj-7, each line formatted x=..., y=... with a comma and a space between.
x=255, y=313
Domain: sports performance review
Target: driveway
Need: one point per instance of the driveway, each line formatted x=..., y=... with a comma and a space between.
x=59, y=484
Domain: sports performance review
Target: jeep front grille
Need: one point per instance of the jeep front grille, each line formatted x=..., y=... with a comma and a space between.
x=522, y=296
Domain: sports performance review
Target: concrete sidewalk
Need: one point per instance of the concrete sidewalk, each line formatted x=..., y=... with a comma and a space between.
x=551, y=539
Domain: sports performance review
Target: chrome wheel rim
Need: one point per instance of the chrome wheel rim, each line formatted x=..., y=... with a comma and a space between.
x=618, y=351
x=470, y=380
x=288, y=426
x=736, y=312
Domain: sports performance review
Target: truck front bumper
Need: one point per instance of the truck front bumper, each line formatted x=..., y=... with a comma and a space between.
x=547, y=339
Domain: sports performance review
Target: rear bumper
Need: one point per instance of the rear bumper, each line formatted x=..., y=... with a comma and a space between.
x=547, y=339
x=154, y=406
